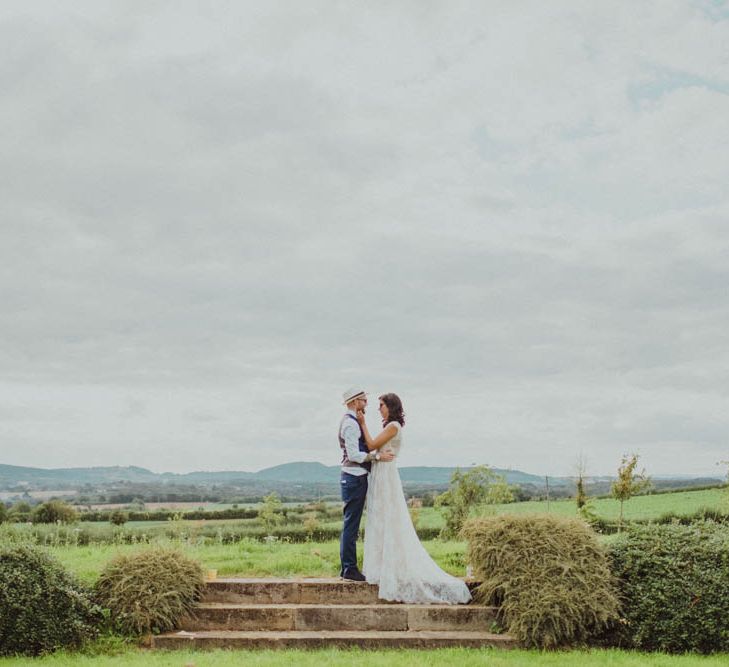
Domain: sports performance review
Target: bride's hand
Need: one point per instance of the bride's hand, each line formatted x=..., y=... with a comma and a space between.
x=360, y=416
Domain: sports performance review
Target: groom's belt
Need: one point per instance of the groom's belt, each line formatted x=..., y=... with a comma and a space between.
x=353, y=464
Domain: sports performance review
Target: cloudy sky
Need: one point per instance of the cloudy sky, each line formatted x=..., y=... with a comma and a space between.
x=216, y=216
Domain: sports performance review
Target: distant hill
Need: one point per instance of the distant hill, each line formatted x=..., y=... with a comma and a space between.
x=300, y=473
x=303, y=472
x=10, y=475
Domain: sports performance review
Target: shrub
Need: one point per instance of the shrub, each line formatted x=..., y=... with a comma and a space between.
x=3, y=512
x=163, y=515
x=20, y=512
x=674, y=581
x=118, y=518
x=549, y=575
x=42, y=607
x=149, y=591
x=311, y=524
x=54, y=511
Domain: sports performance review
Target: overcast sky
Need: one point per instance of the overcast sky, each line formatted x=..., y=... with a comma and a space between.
x=216, y=216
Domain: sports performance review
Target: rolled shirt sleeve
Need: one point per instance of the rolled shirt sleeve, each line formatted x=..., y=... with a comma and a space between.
x=350, y=435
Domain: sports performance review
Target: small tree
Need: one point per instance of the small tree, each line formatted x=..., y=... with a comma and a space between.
x=580, y=494
x=3, y=512
x=499, y=492
x=270, y=512
x=467, y=490
x=55, y=511
x=629, y=483
x=726, y=486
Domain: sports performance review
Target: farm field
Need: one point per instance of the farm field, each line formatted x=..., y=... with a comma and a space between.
x=133, y=657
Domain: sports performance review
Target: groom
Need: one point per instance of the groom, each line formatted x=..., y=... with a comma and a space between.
x=356, y=463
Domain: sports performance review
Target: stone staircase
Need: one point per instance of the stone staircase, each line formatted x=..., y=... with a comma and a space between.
x=317, y=613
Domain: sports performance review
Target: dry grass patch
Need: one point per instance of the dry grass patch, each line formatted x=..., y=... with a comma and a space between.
x=149, y=591
x=549, y=575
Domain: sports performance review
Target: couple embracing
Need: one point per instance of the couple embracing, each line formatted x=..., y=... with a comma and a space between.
x=394, y=558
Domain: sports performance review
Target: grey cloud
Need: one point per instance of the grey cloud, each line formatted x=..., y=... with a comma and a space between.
x=213, y=219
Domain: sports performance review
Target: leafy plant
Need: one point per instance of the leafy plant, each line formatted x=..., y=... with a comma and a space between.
x=468, y=489
x=149, y=591
x=548, y=575
x=42, y=607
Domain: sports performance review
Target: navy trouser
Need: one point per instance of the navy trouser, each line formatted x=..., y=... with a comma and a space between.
x=354, y=492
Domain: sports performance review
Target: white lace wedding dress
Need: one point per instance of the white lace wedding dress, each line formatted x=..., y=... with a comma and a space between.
x=394, y=558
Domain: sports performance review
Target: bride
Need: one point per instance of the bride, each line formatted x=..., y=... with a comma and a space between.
x=394, y=558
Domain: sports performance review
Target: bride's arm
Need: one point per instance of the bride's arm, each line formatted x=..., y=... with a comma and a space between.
x=383, y=438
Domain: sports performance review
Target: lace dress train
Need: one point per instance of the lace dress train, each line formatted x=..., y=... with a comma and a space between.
x=394, y=558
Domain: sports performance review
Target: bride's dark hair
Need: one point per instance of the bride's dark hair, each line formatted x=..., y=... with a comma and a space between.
x=394, y=409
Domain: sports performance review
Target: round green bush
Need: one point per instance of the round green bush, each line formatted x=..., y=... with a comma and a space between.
x=674, y=581
x=42, y=607
x=549, y=576
x=55, y=511
x=118, y=518
x=149, y=591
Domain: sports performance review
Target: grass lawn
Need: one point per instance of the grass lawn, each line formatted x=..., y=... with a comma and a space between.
x=133, y=657
x=251, y=558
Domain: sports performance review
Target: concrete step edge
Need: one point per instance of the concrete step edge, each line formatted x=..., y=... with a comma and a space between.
x=304, y=639
x=305, y=634
x=303, y=605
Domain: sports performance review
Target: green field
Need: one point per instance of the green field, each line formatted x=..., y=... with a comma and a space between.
x=251, y=558
x=133, y=657
x=640, y=507
x=429, y=521
x=254, y=558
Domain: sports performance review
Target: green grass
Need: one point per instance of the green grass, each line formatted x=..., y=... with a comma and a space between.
x=132, y=657
x=639, y=507
x=250, y=558
x=429, y=518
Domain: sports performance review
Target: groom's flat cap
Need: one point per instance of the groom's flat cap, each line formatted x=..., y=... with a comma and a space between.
x=352, y=393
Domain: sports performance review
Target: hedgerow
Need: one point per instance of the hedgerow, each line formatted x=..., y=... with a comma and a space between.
x=42, y=607
x=674, y=584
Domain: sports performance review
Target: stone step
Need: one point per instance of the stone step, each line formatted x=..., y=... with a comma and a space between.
x=293, y=591
x=287, y=617
x=232, y=639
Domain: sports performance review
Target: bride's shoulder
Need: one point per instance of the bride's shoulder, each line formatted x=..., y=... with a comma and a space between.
x=397, y=425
